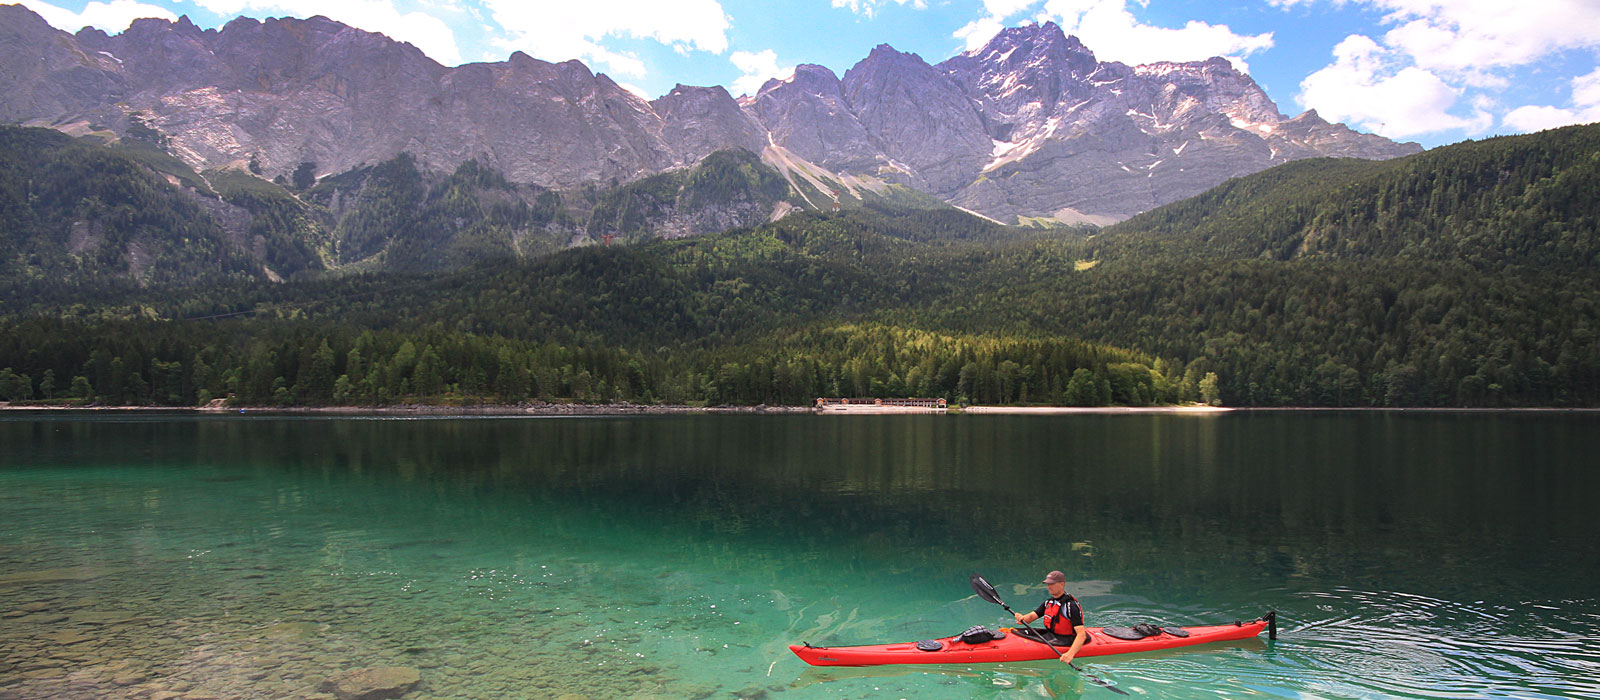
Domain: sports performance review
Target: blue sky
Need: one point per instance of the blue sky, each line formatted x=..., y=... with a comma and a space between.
x=1432, y=71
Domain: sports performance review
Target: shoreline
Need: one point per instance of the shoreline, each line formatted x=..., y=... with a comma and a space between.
x=1103, y=410
x=627, y=409
x=540, y=409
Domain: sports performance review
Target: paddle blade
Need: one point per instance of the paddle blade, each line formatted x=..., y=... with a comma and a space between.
x=985, y=591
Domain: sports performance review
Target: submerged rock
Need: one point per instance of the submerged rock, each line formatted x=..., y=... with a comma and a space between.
x=293, y=630
x=59, y=575
x=67, y=637
x=102, y=618
x=373, y=683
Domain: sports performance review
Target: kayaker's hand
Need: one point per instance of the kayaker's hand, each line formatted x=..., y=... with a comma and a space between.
x=1067, y=658
x=1019, y=618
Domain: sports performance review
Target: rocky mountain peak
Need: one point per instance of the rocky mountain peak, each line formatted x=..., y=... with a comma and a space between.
x=1216, y=87
x=885, y=52
x=1030, y=124
x=681, y=92
x=697, y=121
x=1109, y=140
x=1023, y=76
x=929, y=132
x=808, y=114
x=886, y=63
x=146, y=25
x=1044, y=45
x=47, y=73
x=185, y=26
x=807, y=77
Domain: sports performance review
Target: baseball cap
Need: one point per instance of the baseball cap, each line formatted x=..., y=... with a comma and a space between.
x=1055, y=577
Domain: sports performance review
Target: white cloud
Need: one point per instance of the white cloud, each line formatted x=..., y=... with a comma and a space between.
x=1372, y=87
x=979, y=31
x=1007, y=8
x=1585, y=108
x=1439, y=51
x=1586, y=89
x=758, y=68
x=1533, y=118
x=869, y=8
x=1468, y=40
x=112, y=17
x=562, y=30
x=1111, y=31
x=422, y=30
x=1469, y=36
x=635, y=89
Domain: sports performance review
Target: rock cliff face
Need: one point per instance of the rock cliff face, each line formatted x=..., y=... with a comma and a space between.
x=925, y=127
x=46, y=73
x=1075, y=138
x=285, y=91
x=807, y=113
x=698, y=121
x=1029, y=125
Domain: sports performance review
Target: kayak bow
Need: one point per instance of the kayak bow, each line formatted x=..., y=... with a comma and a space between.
x=1015, y=647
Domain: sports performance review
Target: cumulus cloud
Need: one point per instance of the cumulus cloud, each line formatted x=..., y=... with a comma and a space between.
x=758, y=68
x=979, y=31
x=1467, y=37
x=558, y=30
x=1109, y=29
x=869, y=8
x=636, y=90
x=422, y=30
x=1531, y=118
x=1376, y=89
x=113, y=17
x=1436, y=52
x=1585, y=108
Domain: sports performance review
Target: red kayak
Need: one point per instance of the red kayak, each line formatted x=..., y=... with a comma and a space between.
x=1016, y=647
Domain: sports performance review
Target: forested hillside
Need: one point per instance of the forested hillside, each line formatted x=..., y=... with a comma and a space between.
x=726, y=190
x=1196, y=301
x=1464, y=276
x=394, y=217
x=85, y=215
x=81, y=216
x=1518, y=200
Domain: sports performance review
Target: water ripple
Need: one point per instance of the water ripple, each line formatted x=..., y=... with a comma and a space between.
x=1425, y=647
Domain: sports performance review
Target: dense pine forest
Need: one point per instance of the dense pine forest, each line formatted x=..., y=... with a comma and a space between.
x=1464, y=276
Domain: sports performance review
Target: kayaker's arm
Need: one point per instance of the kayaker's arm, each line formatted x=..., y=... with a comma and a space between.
x=1078, y=635
x=1025, y=618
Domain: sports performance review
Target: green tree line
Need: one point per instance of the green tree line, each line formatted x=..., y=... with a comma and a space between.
x=1239, y=296
x=290, y=364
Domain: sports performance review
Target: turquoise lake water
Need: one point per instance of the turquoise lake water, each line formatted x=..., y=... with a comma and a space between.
x=1413, y=555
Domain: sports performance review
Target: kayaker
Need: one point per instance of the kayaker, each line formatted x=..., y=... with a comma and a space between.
x=1062, y=615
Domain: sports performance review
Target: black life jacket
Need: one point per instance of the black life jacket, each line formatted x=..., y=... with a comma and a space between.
x=1059, y=621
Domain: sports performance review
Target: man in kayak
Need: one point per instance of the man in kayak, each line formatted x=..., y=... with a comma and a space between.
x=1062, y=615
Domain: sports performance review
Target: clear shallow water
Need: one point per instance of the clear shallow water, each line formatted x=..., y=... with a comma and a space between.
x=1425, y=555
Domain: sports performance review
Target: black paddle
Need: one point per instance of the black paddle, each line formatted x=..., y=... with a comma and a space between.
x=987, y=592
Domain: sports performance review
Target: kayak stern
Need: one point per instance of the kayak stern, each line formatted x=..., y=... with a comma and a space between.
x=1015, y=647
